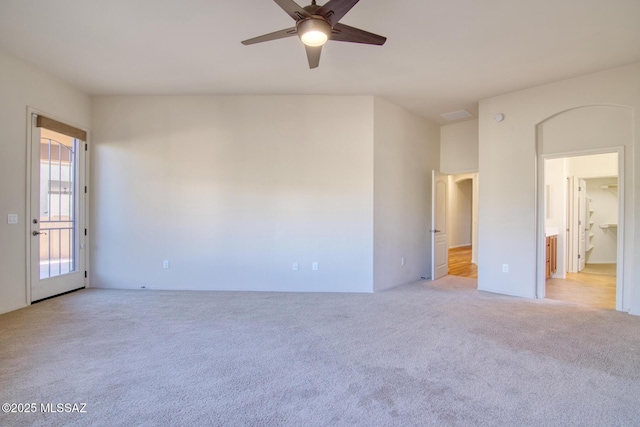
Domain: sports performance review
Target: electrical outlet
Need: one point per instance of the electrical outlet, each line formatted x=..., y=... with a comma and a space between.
x=165, y=264
x=402, y=261
x=314, y=266
x=505, y=268
x=12, y=219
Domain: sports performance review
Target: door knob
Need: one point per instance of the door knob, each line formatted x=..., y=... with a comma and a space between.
x=35, y=233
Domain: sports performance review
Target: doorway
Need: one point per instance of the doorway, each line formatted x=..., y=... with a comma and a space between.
x=461, y=204
x=582, y=209
x=56, y=229
x=455, y=216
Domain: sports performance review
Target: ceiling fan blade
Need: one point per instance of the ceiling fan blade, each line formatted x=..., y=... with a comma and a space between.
x=334, y=10
x=293, y=9
x=345, y=33
x=313, y=55
x=272, y=36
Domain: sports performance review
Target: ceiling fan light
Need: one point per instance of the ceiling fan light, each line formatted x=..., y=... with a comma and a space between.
x=314, y=32
x=314, y=38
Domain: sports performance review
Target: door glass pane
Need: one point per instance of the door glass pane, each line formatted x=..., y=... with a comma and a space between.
x=57, y=204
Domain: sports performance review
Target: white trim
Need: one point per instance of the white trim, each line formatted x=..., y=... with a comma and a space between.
x=461, y=172
x=87, y=205
x=540, y=230
x=502, y=292
x=601, y=263
x=14, y=308
x=27, y=215
x=620, y=303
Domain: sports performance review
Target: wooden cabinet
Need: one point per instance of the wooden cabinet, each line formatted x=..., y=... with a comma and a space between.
x=552, y=258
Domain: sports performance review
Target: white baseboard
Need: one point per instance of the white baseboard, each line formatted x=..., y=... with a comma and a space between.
x=7, y=310
x=507, y=293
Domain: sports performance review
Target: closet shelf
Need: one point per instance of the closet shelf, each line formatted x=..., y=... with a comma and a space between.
x=605, y=226
x=606, y=187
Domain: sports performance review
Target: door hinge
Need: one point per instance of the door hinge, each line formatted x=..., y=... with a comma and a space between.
x=85, y=274
x=86, y=146
x=579, y=256
x=85, y=231
x=85, y=189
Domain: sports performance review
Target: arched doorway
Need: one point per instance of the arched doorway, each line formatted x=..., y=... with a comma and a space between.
x=582, y=131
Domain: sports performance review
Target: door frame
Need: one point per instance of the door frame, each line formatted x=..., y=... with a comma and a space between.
x=83, y=202
x=572, y=236
x=580, y=223
x=541, y=217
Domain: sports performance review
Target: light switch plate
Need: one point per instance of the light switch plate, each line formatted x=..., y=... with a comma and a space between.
x=12, y=219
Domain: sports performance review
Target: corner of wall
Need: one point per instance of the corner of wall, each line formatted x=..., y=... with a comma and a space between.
x=22, y=86
x=406, y=149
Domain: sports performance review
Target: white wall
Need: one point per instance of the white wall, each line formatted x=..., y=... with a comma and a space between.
x=233, y=191
x=23, y=86
x=459, y=147
x=604, y=204
x=406, y=151
x=593, y=166
x=508, y=166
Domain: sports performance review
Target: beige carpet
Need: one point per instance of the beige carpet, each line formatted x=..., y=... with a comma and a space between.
x=428, y=353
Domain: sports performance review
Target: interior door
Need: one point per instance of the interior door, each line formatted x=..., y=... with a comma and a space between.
x=440, y=240
x=569, y=230
x=582, y=223
x=57, y=247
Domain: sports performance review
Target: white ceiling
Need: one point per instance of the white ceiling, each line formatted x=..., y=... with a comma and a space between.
x=440, y=56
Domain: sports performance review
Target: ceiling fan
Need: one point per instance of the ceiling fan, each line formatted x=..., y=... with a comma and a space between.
x=315, y=25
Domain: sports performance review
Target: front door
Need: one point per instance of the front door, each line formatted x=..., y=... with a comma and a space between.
x=440, y=240
x=57, y=247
